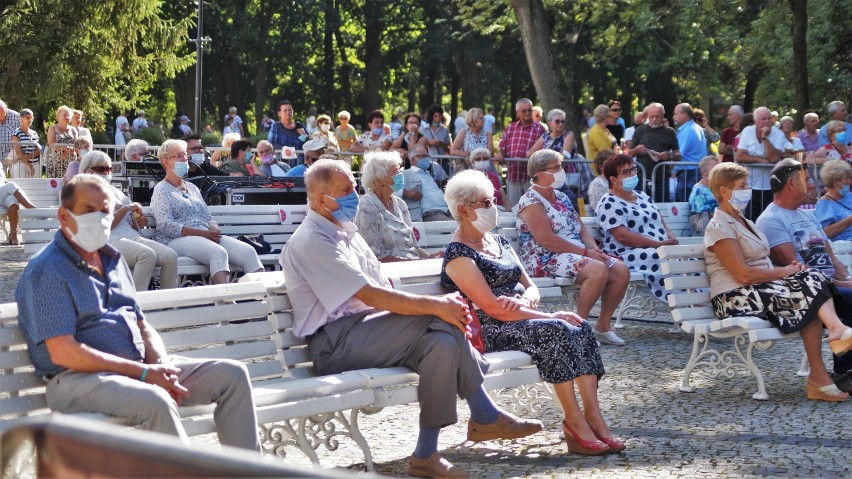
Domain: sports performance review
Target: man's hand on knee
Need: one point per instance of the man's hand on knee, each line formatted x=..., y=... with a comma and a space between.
x=165, y=376
x=453, y=309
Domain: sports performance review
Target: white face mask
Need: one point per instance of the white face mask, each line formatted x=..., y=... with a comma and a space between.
x=324, y=127
x=482, y=165
x=558, y=179
x=486, y=219
x=92, y=230
x=196, y=158
x=740, y=199
x=84, y=152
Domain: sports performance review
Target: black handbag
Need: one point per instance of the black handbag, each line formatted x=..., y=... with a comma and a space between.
x=260, y=245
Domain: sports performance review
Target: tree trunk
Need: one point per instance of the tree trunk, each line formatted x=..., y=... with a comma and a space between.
x=374, y=26
x=331, y=24
x=261, y=71
x=799, y=29
x=344, y=95
x=752, y=80
x=536, y=36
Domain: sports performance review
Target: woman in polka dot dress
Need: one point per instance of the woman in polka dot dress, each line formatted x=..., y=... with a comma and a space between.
x=632, y=226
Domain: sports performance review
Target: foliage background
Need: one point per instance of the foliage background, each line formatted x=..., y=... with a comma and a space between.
x=119, y=55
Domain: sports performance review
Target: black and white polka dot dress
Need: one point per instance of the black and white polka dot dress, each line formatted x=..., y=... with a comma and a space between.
x=641, y=217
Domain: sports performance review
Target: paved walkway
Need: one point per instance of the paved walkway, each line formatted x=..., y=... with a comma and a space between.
x=717, y=431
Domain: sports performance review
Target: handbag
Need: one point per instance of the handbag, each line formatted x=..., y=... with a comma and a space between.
x=475, y=330
x=9, y=160
x=256, y=241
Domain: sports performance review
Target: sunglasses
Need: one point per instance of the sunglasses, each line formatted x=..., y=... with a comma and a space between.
x=615, y=109
x=102, y=169
x=487, y=203
x=559, y=122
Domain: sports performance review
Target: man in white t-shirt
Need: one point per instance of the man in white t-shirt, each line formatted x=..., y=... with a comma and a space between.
x=796, y=235
x=140, y=122
x=761, y=144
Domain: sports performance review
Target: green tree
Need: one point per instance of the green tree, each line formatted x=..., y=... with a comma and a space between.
x=95, y=56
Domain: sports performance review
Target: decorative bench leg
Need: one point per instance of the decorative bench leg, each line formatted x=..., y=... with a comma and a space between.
x=527, y=400
x=309, y=433
x=725, y=363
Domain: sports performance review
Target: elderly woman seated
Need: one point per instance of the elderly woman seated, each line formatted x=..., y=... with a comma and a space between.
x=555, y=243
x=82, y=146
x=480, y=160
x=140, y=253
x=744, y=283
x=12, y=197
x=834, y=209
x=184, y=222
x=485, y=270
x=599, y=186
x=701, y=201
x=135, y=150
x=383, y=218
x=632, y=226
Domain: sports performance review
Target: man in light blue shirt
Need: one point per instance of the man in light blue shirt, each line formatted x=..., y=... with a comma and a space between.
x=836, y=111
x=693, y=147
x=489, y=120
x=424, y=197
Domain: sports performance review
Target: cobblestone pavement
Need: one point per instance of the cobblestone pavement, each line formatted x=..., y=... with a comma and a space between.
x=717, y=431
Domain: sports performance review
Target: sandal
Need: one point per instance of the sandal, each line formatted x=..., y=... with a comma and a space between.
x=828, y=393
x=842, y=346
x=581, y=446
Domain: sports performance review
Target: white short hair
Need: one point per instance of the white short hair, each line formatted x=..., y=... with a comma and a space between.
x=539, y=160
x=376, y=166
x=554, y=112
x=229, y=139
x=738, y=110
x=93, y=159
x=810, y=115
x=467, y=187
x=135, y=146
x=168, y=147
x=834, y=107
x=521, y=102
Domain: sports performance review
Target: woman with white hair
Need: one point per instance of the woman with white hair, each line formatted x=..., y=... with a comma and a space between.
x=474, y=137
x=141, y=254
x=485, y=270
x=480, y=159
x=136, y=150
x=227, y=141
x=383, y=218
x=834, y=209
x=60, y=143
x=558, y=139
x=554, y=242
x=184, y=222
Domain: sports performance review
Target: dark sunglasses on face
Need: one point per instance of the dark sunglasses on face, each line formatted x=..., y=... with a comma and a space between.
x=559, y=122
x=615, y=109
x=102, y=169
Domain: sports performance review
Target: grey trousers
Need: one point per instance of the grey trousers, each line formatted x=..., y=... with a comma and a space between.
x=221, y=381
x=447, y=364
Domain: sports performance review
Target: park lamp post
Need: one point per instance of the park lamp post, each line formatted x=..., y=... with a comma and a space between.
x=199, y=41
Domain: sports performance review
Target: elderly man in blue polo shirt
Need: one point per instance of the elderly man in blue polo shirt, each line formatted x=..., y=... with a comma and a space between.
x=422, y=195
x=87, y=336
x=693, y=147
x=352, y=319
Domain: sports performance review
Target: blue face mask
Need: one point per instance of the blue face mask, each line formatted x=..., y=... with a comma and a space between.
x=399, y=182
x=181, y=168
x=378, y=131
x=424, y=164
x=844, y=191
x=630, y=182
x=841, y=138
x=348, y=207
x=248, y=157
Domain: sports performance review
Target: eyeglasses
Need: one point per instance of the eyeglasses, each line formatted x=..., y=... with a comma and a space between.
x=615, y=109
x=628, y=171
x=486, y=203
x=102, y=169
x=180, y=156
x=415, y=122
x=525, y=110
x=559, y=122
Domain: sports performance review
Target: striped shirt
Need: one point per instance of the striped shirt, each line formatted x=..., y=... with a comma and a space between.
x=7, y=129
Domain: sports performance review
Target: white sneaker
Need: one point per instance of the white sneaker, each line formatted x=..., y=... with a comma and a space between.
x=609, y=337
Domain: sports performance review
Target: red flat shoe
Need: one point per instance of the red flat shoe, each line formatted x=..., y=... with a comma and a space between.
x=581, y=446
x=615, y=445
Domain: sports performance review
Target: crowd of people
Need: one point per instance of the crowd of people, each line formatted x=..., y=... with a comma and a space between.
x=772, y=260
